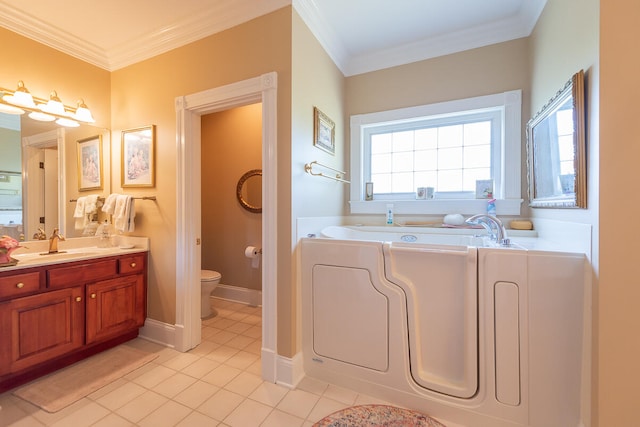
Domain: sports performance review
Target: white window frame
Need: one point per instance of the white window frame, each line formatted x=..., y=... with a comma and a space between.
x=509, y=198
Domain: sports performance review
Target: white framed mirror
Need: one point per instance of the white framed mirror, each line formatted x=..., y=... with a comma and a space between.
x=556, y=150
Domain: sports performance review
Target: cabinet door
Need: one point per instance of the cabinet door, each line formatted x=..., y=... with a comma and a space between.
x=40, y=327
x=115, y=306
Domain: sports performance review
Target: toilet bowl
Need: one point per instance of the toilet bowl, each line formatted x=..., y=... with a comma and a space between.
x=209, y=279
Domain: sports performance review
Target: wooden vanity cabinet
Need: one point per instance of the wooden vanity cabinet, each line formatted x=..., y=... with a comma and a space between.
x=40, y=327
x=117, y=305
x=55, y=315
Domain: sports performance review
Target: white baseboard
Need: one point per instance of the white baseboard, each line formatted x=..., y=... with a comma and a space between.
x=158, y=332
x=238, y=294
x=289, y=370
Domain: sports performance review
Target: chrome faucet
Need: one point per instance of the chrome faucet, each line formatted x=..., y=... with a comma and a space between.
x=53, y=241
x=494, y=227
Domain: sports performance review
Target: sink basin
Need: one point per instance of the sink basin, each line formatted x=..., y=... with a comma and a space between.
x=63, y=255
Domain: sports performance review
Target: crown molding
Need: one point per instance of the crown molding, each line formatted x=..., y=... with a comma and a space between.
x=517, y=26
x=30, y=27
x=484, y=35
x=328, y=39
x=225, y=15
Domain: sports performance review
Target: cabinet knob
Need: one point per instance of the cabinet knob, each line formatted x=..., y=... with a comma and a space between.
x=133, y=265
x=93, y=296
x=20, y=285
x=78, y=299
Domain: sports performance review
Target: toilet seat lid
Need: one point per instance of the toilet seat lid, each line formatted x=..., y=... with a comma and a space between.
x=209, y=275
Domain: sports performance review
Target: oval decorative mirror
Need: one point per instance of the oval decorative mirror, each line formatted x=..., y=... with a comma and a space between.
x=556, y=150
x=249, y=191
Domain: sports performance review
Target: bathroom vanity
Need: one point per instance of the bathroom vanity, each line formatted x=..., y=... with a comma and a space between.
x=58, y=309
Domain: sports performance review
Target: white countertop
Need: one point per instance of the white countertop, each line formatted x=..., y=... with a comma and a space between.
x=34, y=253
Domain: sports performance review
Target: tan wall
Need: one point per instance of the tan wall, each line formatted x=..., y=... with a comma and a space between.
x=231, y=146
x=144, y=93
x=483, y=71
x=44, y=69
x=316, y=81
x=619, y=290
x=564, y=41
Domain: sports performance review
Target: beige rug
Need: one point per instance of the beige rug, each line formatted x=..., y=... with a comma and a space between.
x=68, y=385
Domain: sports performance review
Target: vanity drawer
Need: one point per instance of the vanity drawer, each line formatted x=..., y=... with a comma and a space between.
x=131, y=264
x=82, y=273
x=19, y=284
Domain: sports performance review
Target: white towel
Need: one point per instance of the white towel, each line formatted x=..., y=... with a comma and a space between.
x=78, y=214
x=124, y=213
x=110, y=204
x=91, y=204
x=131, y=214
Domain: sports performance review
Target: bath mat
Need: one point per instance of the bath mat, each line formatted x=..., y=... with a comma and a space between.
x=377, y=415
x=68, y=385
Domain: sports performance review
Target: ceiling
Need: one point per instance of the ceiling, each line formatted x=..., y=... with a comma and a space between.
x=359, y=35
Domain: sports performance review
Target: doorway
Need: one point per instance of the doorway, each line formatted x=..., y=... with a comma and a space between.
x=43, y=192
x=231, y=148
x=189, y=110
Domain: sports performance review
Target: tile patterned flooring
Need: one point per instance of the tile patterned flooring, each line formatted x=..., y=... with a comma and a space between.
x=216, y=384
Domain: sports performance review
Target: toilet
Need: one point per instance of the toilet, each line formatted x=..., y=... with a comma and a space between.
x=209, y=279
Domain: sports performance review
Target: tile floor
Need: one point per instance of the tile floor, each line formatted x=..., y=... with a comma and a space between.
x=216, y=384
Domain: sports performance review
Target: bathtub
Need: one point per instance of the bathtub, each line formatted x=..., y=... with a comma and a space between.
x=446, y=323
x=433, y=236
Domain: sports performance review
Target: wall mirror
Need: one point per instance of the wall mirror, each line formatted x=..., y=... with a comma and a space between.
x=249, y=191
x=41, y=196
x=556, y=150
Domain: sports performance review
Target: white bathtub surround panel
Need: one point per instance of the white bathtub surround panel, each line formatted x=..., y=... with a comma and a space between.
x=557, y=318
x=533, y=320
x=571, y=236
x=506, y=301
x=440, y=285
x=366, y=259
x=504, y=353
x=353, y=328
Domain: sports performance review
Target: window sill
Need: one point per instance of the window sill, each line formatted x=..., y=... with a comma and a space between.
x=436, y=206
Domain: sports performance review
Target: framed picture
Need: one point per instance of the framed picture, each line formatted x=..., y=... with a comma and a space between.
x=323, y=132
x=90, y=163
x=138, y=162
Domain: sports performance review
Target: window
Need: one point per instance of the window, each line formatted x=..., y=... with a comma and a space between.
x=447, y=146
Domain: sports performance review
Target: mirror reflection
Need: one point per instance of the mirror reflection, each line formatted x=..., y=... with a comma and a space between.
x=38, y=175
x=555, y=146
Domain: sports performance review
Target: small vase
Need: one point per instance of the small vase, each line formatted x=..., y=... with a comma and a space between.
x=5, y=257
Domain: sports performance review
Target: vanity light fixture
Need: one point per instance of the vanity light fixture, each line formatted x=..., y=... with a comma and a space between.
x=83, y=113
x=21, y=97
x=21, y=101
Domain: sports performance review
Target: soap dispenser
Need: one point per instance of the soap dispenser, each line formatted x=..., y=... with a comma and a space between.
x=104, y=234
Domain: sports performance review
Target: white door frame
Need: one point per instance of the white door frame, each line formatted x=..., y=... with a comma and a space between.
x=189, y=108
x=31, y=144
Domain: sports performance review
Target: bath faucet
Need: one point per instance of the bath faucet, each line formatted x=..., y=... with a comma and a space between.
x=494, y=227
x=53, y=241
x=40, y=235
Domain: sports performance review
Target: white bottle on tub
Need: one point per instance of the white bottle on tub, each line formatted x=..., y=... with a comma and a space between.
x=390, y=214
